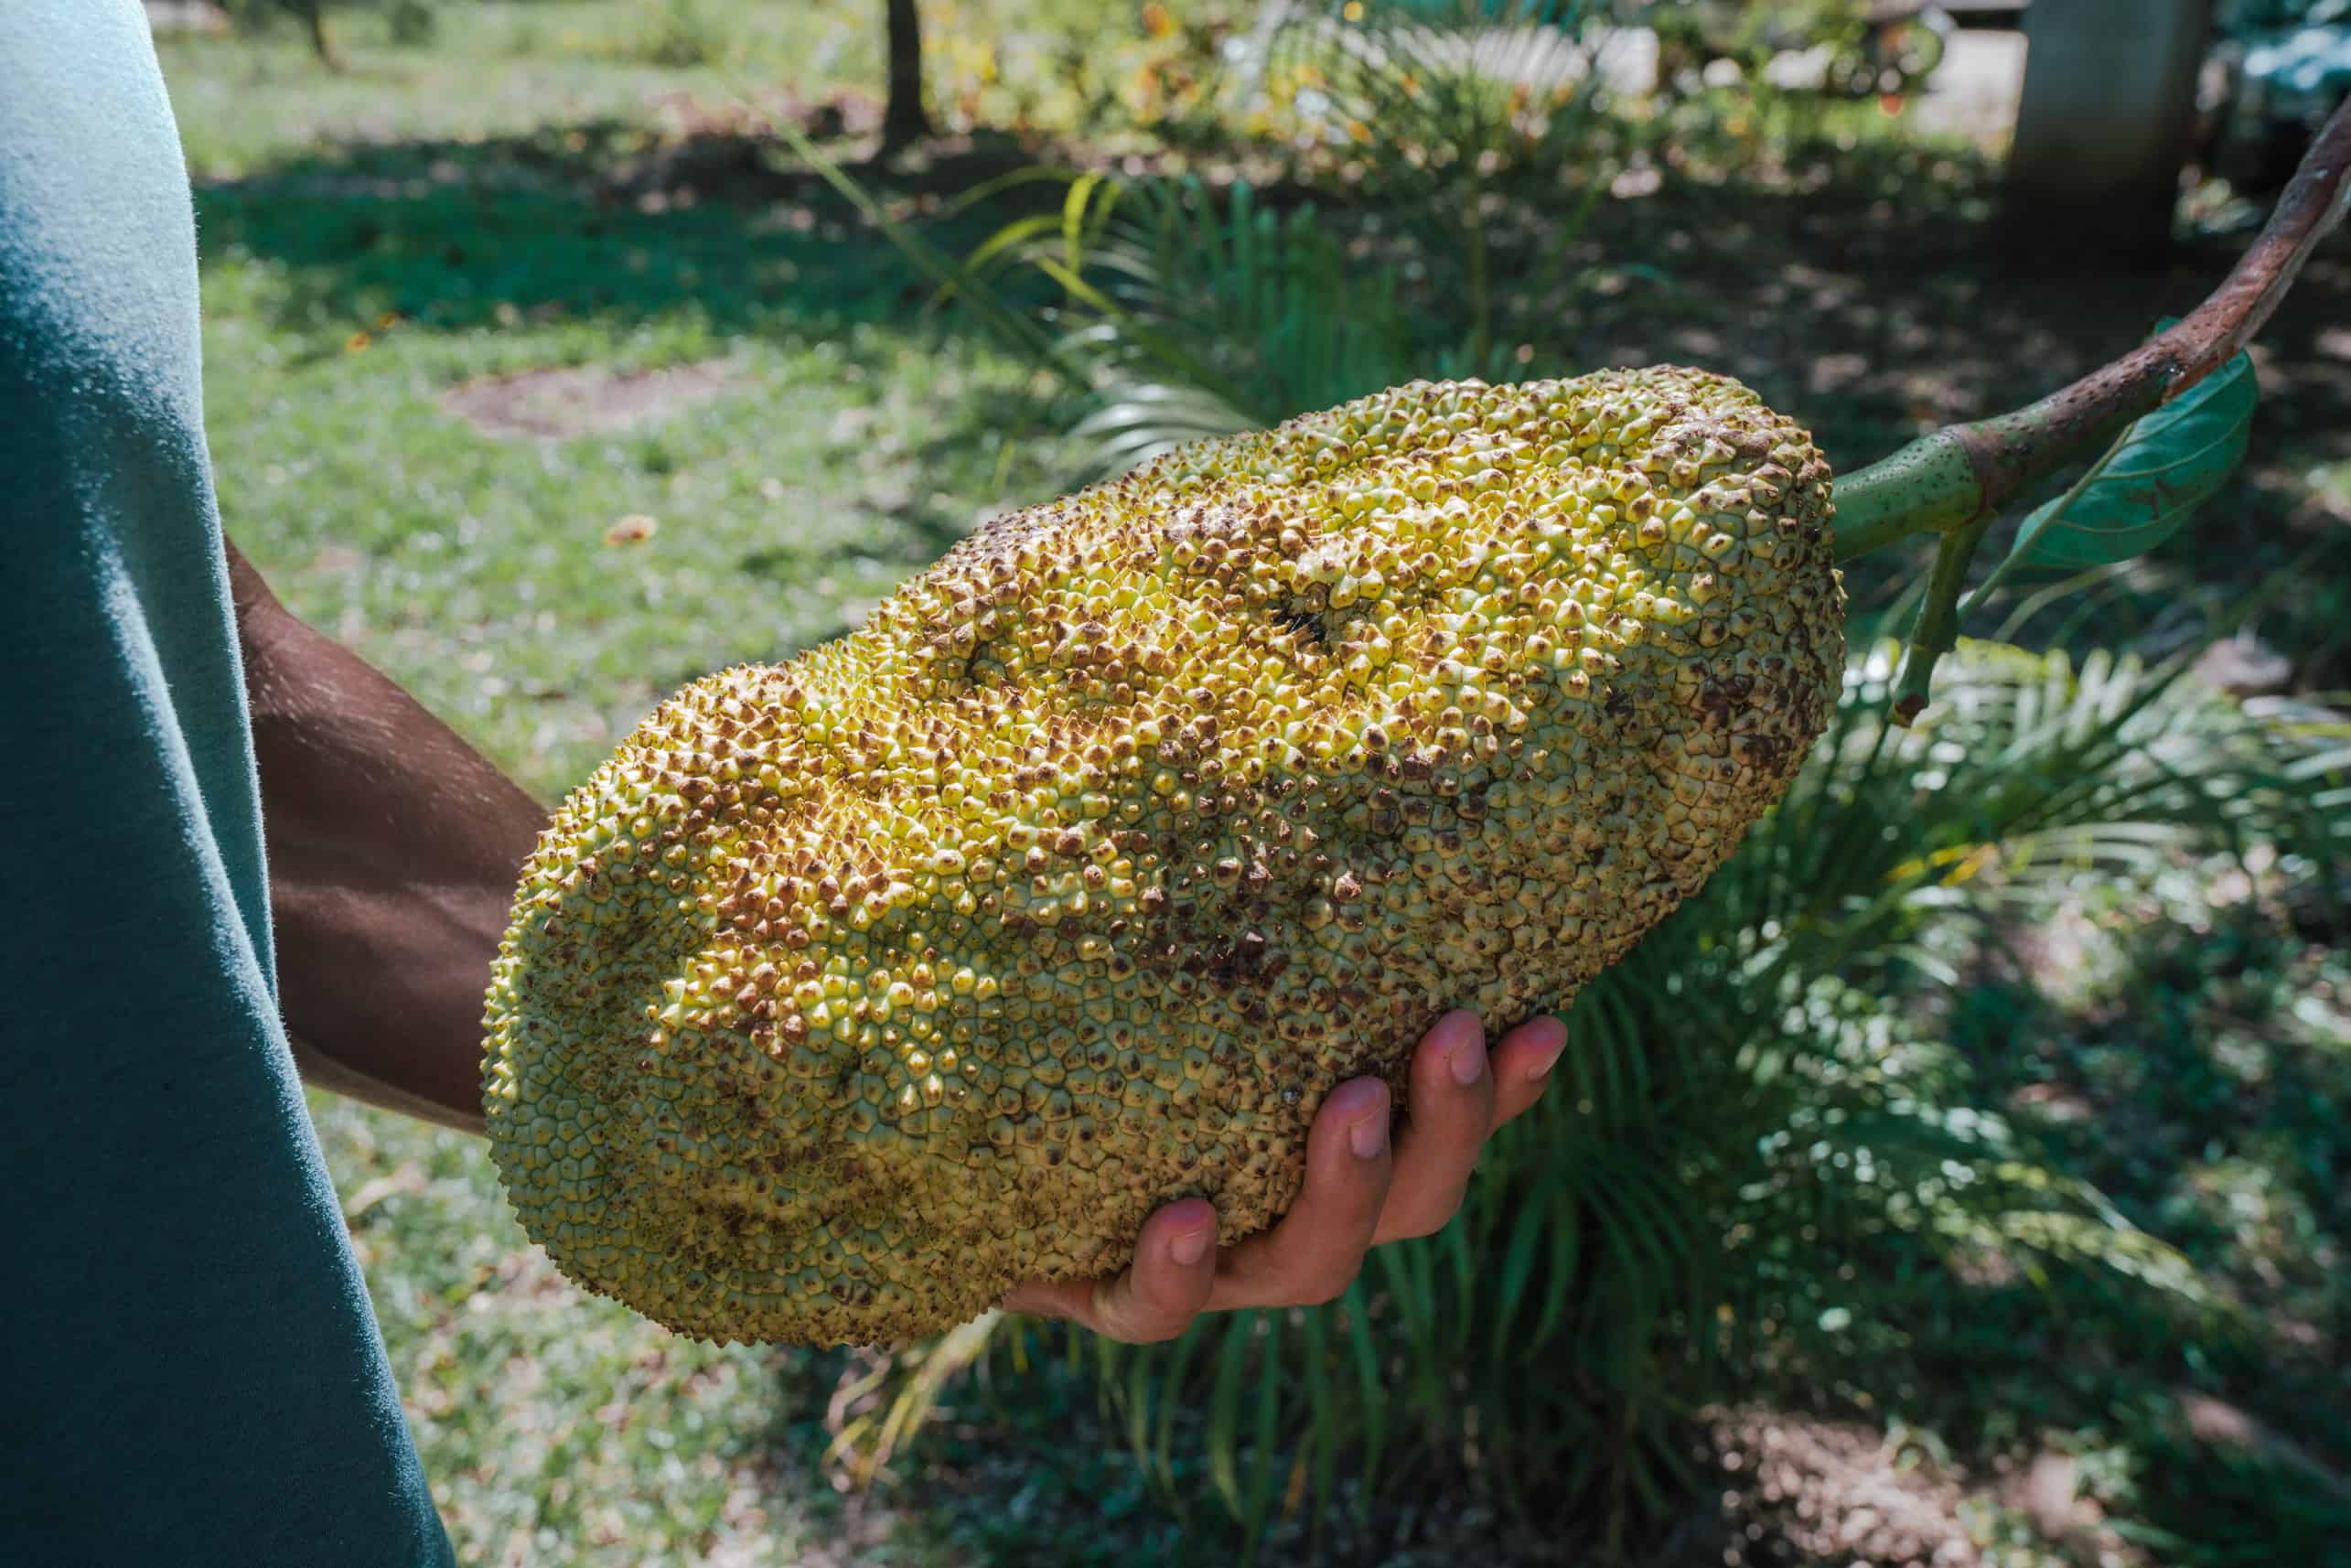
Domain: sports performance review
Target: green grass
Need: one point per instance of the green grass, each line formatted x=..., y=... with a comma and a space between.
x=475, y=570
x=475, y=208
x=497, y=67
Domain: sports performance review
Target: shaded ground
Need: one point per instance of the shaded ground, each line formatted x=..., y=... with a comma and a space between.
x=1806, y=1491
x=1877, y=316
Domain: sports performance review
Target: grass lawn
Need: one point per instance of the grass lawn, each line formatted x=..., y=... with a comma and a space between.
x=382, y=245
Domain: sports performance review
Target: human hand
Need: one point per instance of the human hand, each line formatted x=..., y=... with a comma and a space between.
x=1358, y=1194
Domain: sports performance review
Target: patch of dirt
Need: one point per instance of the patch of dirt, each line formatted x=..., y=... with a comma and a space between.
x=1800, y=1492
x=1807, y=1490
x=583, y=400
x=2221, y=1424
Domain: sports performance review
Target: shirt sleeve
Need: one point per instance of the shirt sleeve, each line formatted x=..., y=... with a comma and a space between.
x=194, y=1375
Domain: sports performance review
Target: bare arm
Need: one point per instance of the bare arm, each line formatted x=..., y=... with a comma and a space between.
x=394, y=852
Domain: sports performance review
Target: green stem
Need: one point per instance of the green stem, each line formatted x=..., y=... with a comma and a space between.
x=1929, y=486
x=1947, y=480
x=1938, y=632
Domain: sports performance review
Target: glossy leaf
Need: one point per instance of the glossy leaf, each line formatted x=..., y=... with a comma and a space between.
x=2163, y=468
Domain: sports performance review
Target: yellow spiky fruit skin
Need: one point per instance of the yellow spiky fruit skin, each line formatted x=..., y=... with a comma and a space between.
x=856, y=990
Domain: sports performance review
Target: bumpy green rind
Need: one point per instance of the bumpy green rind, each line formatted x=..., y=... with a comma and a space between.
x=854, y=991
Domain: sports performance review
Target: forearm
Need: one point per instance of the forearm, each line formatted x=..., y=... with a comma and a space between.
x=393, y=851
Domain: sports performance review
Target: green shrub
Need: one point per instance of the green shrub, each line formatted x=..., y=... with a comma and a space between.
x=1188, y=316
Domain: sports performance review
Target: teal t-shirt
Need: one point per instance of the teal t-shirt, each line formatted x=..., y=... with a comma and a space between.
x=192, y=1376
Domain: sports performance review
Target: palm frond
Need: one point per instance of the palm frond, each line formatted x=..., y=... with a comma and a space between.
x=1195, y=314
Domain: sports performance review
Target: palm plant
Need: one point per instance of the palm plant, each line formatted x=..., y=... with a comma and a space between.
x=1185, y=312
x=1438, y=98
x=1193, y=316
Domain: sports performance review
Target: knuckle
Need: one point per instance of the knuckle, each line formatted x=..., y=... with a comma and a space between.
x=1323, y=1290
x=1428, y=1219
x=1150, y=1331
x=1136, y=1322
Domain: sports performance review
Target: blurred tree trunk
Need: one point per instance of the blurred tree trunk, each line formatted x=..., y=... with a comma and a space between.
x=314, y=22
x=905, y=120
x=2107, y=123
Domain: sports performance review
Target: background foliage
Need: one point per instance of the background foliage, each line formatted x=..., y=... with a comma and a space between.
x=1989, y=1111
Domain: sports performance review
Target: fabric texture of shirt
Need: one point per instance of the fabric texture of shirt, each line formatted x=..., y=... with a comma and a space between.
x=192, y=1375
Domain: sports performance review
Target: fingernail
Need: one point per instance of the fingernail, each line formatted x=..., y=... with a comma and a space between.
x=1549, y=1059
x=1190, y=1246
x=1368, y=1135
x=1467, y=1062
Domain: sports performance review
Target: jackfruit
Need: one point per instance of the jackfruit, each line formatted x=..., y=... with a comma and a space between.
x=856, y=990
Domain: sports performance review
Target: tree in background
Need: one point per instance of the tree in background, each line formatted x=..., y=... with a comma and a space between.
x=2107, y=123
x=312, y=14
x=903, y=119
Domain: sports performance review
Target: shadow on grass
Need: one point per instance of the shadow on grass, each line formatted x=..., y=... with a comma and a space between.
x=600, y=220
x=611, y=227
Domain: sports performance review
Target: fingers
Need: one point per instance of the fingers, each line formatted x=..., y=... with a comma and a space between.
x=1168, y=1283
x=1156, y=1296
x=1453, y=1111
x=1460, y=1092
x=1358, y=1192
x=1522, y=1064
x=1315, y=1252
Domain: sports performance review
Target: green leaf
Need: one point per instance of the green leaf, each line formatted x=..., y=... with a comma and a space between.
x=1510, y=1289
x=1173, y=1389
x=1224, y=1410
x=1267, y=1472
x=2165, y=467
x=1372, y=1402
x=1322, y=1440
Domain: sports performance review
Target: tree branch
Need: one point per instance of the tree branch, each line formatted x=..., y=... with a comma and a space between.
x=1949, y=479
